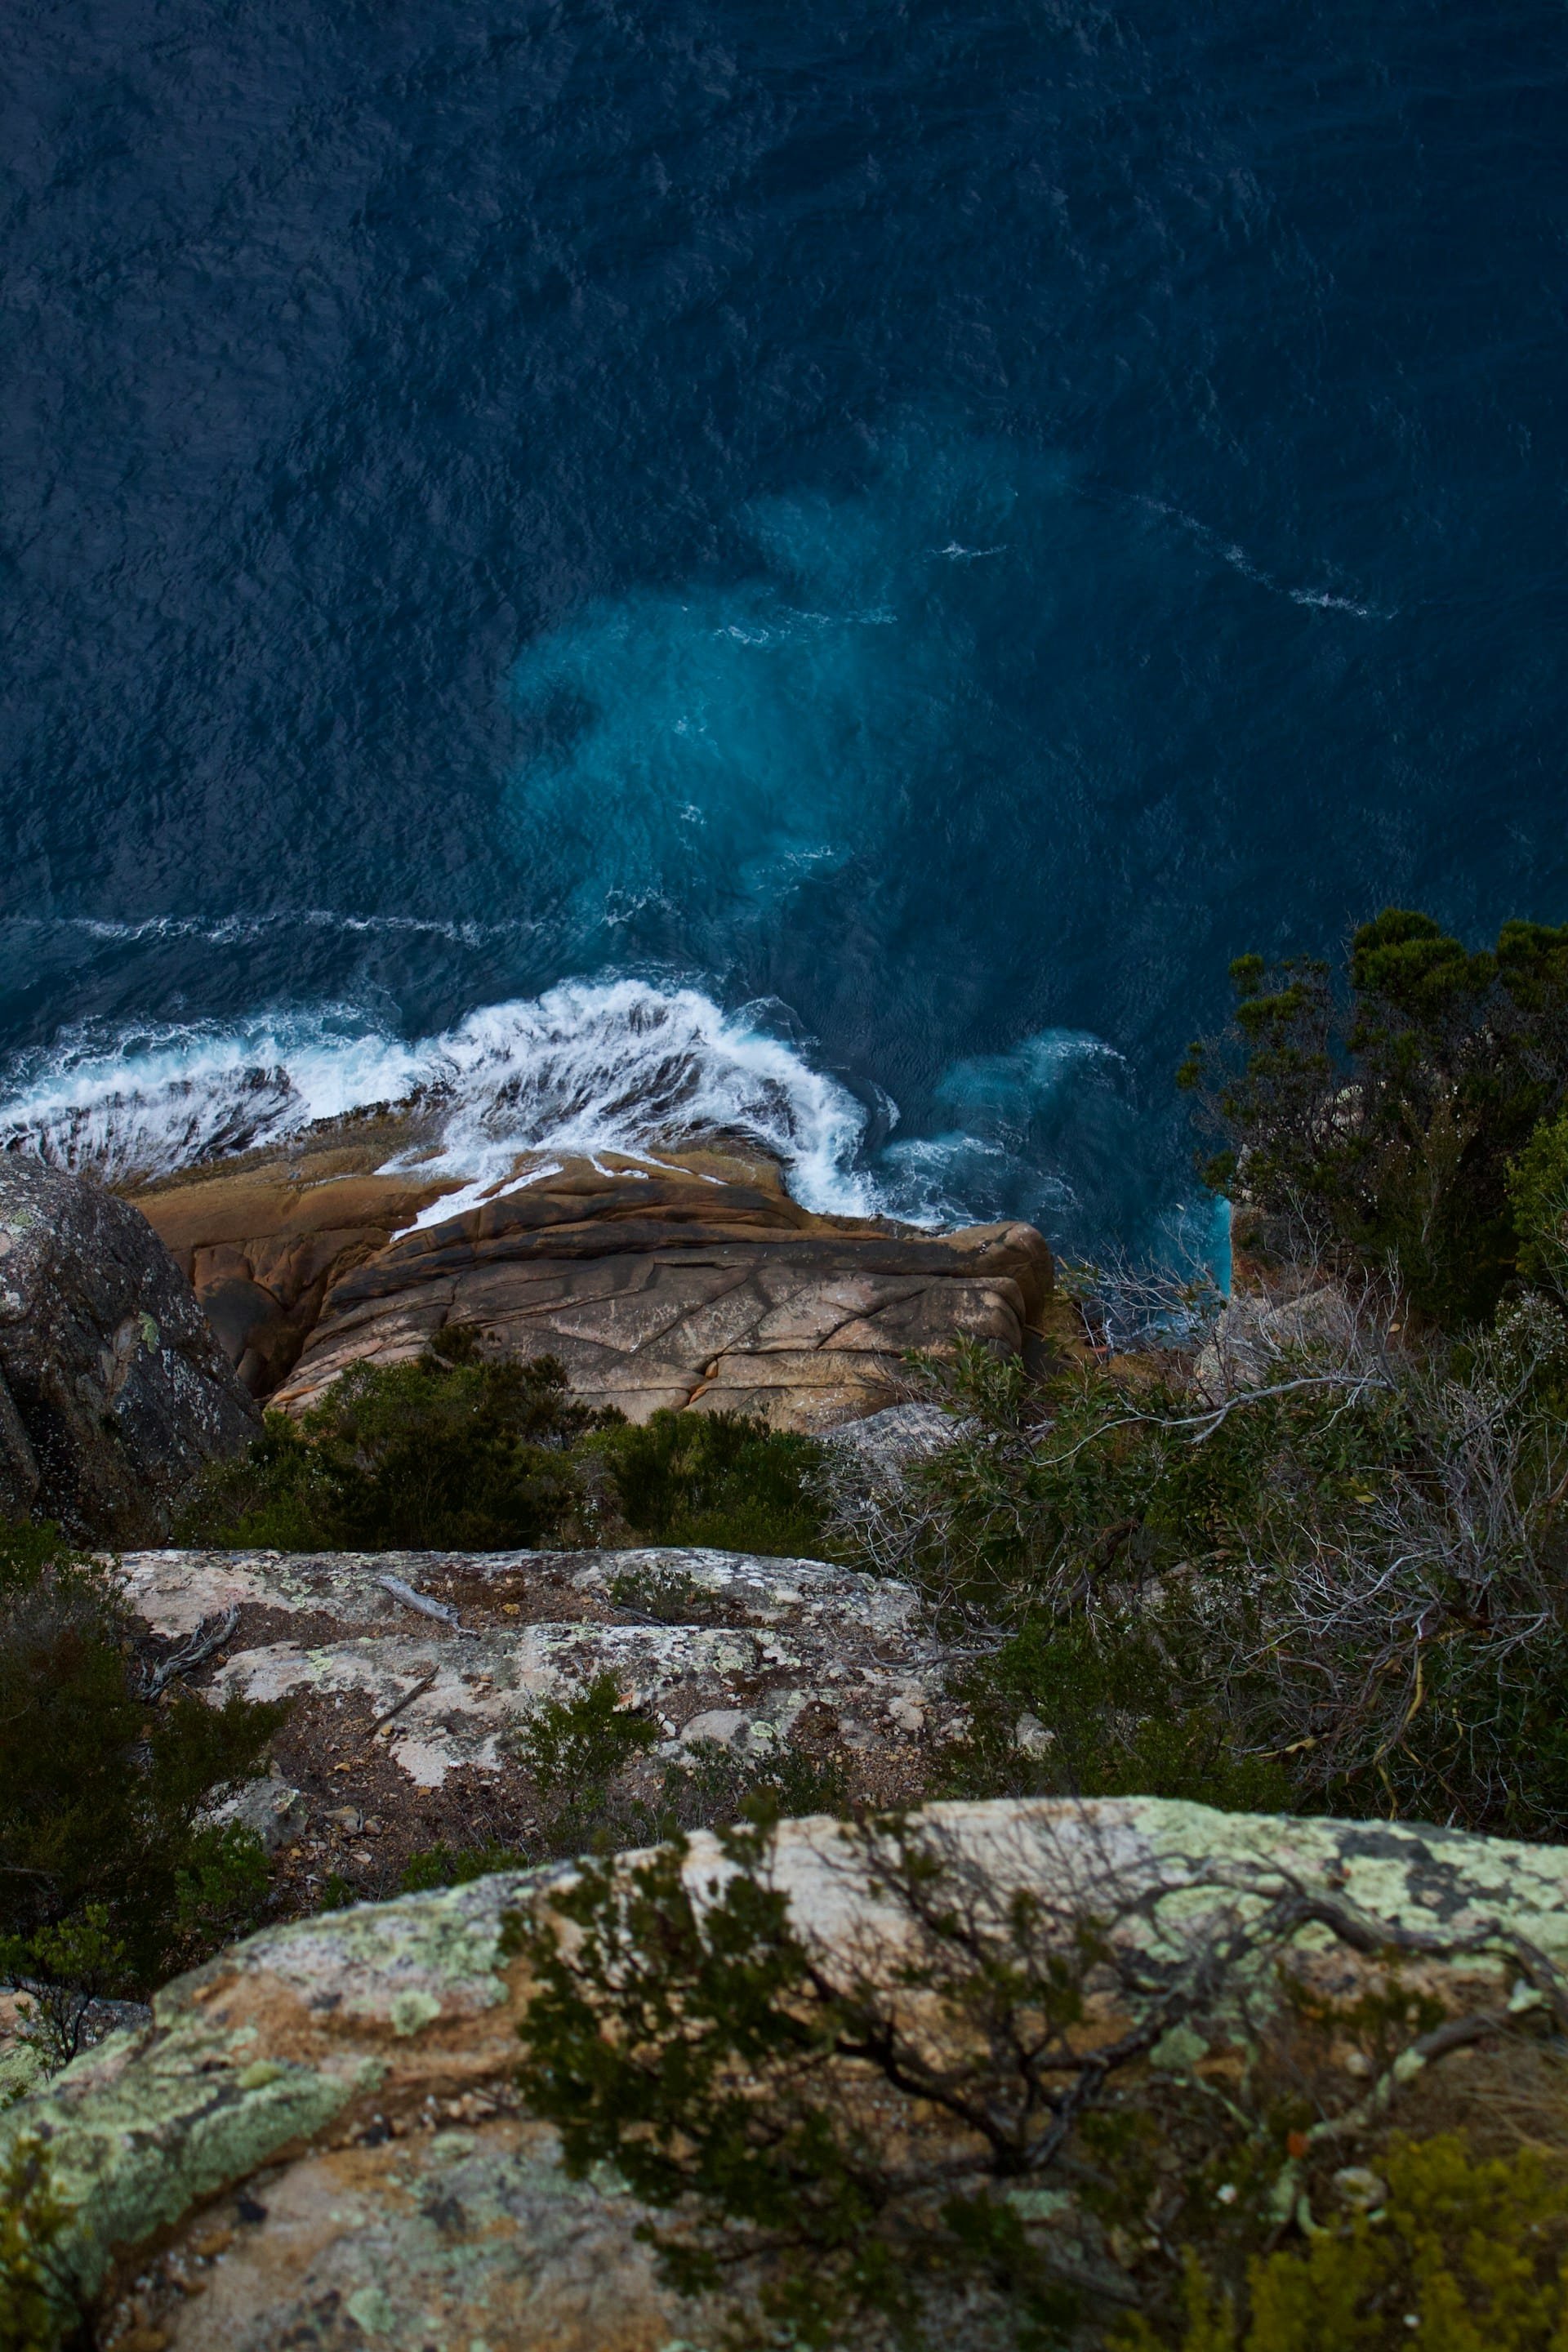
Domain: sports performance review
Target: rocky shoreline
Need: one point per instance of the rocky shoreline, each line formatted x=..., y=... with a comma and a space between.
x=692, y=1281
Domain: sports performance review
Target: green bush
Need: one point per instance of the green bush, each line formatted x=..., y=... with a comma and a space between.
x=1344, y=1592
x=457, y=1452
x=443, y=1865
x=1386, y=1119
x=1102, y=1715
x=102, y=1790
x=717, y=1479
x=1020, y=2112
x=1538, y=1188
x=1461, y=2255
x=39, y=2306
x=448, y=1452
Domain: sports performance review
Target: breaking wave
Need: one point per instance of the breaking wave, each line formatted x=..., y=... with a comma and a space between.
x=588, y=1068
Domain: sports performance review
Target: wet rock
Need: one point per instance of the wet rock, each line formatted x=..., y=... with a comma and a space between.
x=113, y=1391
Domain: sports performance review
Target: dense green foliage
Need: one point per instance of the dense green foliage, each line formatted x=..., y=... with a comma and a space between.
x=1461, y=2254
x=716, y=1478
x=449, y=1451
x=462, y=1452
x=1387, y=1119
x=107, y=1878
x=701, y=2055
x=38, y=2306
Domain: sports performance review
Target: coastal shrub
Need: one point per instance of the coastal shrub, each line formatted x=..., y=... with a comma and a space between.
x=1340, y=1587
x=1096, y=1709
x=464, y=1452
x=451, y=1451
x=102, y=1789
x=577, y=1753
x=720, y=1479
x=1538, y=1189
x=1385, y=1115
x=1465, y=2255
x=40, y=2310
x=986, y=2120
x=444, y=1866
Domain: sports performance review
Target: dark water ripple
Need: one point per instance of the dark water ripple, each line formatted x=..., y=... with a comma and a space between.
x=947, y=521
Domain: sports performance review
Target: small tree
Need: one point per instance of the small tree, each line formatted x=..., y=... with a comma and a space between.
x=1392, y=1112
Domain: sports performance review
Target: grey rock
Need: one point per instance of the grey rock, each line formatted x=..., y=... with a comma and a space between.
x=1030, y=1737
x=722, y=1726
x=882, y=1444
x=272, y=1811
x=1258, y=1332
x=743, y=1646
x=119, y=1393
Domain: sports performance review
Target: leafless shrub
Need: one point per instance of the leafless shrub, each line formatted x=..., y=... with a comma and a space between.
x=1444, y=1594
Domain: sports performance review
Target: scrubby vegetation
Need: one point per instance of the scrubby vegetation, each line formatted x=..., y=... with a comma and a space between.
x=451, y=1450
x=1308, y=1551
x=109, y=1878
x=463, y=1452
x=1040, y=2106
x=1390, y=1114
x=37, y=2302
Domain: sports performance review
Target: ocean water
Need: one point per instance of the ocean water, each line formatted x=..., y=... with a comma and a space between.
x=817, y=570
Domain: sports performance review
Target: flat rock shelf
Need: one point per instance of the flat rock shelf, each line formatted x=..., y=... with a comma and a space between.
x=414, y=1674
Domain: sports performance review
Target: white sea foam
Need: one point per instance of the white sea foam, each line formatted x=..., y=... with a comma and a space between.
x=586, y=1069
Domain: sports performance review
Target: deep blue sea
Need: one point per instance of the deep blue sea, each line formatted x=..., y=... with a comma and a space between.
x=821, y=567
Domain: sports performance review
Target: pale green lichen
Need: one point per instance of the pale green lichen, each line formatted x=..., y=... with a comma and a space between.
x=411, y=2010
x=147, y=2126
x=371, y=2310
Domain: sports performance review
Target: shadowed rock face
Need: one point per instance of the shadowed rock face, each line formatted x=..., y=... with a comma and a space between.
x=701, y=1285
x=114, y=1390
x=319, y=2131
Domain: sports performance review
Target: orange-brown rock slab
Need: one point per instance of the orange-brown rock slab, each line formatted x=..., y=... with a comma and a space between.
x=659, y=1285
x=672, y=1292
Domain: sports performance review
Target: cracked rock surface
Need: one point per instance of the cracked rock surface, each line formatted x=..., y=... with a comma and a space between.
x=693, y=1282
x=687, y=1634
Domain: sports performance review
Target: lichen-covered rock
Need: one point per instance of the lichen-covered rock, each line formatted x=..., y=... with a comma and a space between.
x=316, y=2140
x=113, y=1391
x=687, y=1634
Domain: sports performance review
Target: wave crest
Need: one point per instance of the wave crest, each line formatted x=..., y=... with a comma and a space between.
x=585, y=1069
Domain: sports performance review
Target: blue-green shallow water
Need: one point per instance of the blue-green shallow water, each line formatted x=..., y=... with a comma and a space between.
x=876, y=545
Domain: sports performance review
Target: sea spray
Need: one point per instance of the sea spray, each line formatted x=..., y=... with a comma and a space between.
x=588, y=1067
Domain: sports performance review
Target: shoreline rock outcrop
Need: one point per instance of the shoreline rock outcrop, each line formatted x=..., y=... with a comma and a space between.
x=692, y=1282
x=114, y=1390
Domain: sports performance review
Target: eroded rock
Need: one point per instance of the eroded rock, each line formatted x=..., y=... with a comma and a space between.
x=113, y=1391
x=691, y=1283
